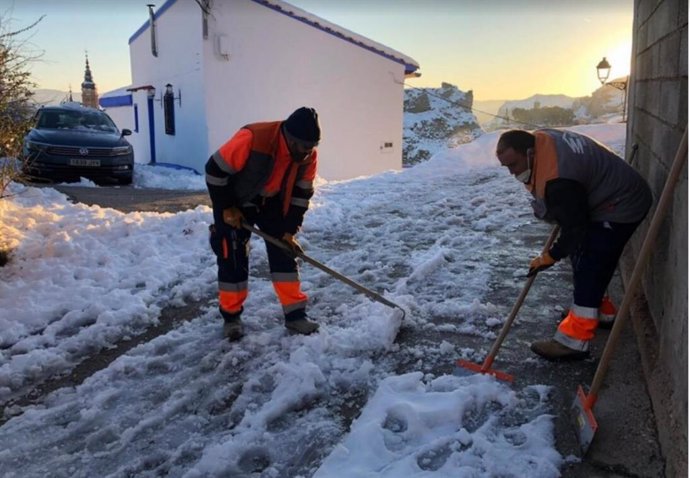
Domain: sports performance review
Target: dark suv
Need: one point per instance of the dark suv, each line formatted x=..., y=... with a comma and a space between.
x=72, y=141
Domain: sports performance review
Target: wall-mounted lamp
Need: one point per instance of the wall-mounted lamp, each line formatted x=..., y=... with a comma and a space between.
x=169, y=95
x=168, y=104
x=603, y=72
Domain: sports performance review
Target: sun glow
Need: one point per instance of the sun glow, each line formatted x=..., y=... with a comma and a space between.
x=619, y=58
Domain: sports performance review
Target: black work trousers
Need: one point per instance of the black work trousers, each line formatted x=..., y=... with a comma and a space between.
x=595, y=260
x=231, y=247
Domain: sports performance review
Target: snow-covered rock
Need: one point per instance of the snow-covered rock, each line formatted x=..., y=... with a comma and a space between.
x=435, y=119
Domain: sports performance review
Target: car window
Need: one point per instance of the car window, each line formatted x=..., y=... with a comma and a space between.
x=76, y=120
x=48, y=120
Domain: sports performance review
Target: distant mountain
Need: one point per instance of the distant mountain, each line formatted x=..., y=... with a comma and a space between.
x=46, y=97
x=486, y=110
x=504, y=114
x=435, y=119
x=604, y=105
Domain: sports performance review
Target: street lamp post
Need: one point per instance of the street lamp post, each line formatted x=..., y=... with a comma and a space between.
x=603, y=72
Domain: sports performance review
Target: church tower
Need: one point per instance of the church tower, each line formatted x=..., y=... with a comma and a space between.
x=89, y=94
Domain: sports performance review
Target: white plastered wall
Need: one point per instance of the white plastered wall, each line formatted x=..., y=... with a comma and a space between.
x=258, y=65
x=275, y=64
x=123, y=116
x=179, y=62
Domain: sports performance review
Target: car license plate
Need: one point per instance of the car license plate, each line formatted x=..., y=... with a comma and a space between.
x=85, y=162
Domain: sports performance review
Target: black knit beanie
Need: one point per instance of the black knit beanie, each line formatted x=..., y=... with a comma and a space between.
x=303, y=124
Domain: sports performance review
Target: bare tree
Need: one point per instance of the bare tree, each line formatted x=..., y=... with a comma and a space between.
x=16, y=108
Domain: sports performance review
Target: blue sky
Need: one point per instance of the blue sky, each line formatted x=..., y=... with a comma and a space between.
x=500, y=49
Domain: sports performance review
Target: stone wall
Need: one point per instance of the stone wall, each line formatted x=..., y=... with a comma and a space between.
x=658, y=116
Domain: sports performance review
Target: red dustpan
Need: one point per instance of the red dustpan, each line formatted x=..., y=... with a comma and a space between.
x=485, y=367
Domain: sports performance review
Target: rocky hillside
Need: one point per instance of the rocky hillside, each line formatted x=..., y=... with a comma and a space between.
x=435, y=119
x=604, y=105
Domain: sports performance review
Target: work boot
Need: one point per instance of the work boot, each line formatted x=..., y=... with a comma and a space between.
x=555, y=351
x=302, y=326
x=607, y=313
x=233, y=330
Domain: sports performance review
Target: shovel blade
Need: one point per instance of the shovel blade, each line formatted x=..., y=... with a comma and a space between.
x=464, y=368
x=585, y=424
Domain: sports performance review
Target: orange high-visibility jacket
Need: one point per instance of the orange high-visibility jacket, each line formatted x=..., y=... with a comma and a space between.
x=256, y=162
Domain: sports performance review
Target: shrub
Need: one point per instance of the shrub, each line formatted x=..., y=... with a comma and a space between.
x=16, y=108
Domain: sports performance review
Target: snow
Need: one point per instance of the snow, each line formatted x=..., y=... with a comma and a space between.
x=446, y=124
x=84, y=278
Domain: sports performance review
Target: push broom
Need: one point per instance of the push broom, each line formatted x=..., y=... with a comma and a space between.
x=582, y=408
x=485, y=367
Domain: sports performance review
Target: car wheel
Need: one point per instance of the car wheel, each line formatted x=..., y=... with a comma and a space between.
x=125, y=181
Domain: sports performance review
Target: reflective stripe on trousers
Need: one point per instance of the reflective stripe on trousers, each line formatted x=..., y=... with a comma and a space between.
x=290, y=295
x=231, y=296
x=577, y=329
x=231, y=247
x=607, y=311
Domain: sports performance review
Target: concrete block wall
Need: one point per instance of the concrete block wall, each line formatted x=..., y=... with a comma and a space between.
x=658, y=117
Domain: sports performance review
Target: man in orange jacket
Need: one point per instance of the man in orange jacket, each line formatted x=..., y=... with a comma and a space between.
x=597, y=199
x=263, y=175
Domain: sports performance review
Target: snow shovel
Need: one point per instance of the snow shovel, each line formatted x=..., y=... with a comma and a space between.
x=485, y=367
x=582, y=414
x=277, y=242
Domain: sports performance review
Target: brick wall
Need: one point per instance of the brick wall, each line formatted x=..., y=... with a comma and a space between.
x=658, y=116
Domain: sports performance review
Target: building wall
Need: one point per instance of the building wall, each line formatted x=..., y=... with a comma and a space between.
x=658, y=101
x=179, y=62
x=275, y=64
x=123, y=116
x=258, y=64
x=140, y=139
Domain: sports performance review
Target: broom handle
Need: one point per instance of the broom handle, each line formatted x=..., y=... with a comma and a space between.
x=277, y=242
x=516, y=307
x=645, y=251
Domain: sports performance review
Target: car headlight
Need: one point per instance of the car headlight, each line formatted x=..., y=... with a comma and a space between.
x=120, y=150
x=34, y=146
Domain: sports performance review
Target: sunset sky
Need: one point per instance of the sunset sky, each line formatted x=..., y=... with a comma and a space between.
x=500, y=49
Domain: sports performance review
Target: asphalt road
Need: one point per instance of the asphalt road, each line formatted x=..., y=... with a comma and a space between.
x=128, y=199
x=626, y=443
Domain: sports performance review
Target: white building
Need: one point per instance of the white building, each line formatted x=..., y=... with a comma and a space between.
x=229, y=63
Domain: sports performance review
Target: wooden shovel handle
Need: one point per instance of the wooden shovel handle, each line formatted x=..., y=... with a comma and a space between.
x=622, y=315
x=516, y=306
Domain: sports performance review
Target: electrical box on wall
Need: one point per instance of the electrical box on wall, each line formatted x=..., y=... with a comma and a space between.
x=223, y=46
x=386, y=146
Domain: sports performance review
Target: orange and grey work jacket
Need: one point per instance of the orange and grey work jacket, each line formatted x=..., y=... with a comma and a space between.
x=576, y=180
x=254, y=166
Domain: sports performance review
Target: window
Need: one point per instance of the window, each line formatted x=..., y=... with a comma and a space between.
x=169, y=109
x=136, y=118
